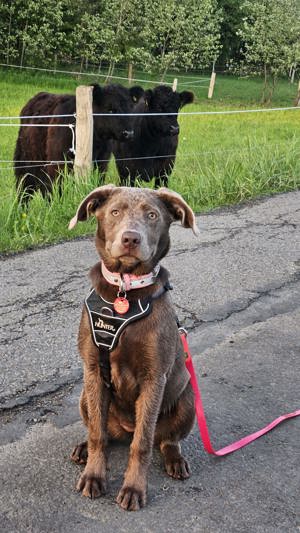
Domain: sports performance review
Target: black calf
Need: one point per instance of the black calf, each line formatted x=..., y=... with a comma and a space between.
x=152, y=151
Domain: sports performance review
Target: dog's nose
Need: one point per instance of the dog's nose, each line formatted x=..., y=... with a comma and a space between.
x=174, y=130
x=131, y=239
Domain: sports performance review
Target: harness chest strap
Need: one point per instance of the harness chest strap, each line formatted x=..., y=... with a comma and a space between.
x=107, y=324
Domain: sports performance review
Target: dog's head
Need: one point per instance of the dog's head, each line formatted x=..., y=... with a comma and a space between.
x=133, y=225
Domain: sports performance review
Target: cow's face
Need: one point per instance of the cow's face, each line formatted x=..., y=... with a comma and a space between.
x=114, y=100
x=163, y=100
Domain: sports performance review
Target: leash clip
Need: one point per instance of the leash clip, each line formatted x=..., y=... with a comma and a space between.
x=182, y=331
x=183, y=337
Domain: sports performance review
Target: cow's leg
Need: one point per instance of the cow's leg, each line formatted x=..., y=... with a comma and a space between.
x=101, y=158
x=161, y=181
x=58, y=144
x=132, y=181
x=126, y=179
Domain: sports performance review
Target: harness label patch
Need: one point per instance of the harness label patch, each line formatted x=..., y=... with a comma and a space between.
x=102, y=325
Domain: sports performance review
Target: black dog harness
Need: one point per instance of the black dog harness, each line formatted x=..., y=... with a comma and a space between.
x=107, y=324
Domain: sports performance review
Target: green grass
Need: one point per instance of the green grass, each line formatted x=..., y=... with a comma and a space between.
x=221, y=159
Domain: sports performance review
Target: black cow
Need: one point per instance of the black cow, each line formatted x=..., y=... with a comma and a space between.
x=152, y=151
x=35, y=144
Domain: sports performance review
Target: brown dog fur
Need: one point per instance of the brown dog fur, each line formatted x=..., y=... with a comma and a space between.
x=152, y=399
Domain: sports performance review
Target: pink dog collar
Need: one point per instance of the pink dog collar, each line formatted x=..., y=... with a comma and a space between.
x=126, y=282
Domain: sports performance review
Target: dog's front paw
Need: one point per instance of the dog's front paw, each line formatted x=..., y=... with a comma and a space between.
x=178, y=468
x=131, y=498
x=91, y=485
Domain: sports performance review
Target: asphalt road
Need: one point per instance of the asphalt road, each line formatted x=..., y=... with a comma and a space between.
x=237, y=289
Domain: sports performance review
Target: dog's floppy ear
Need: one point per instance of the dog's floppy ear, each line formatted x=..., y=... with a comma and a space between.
x=178, y=208
x=91, y=203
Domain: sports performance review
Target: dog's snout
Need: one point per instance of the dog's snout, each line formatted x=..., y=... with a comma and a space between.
x=174, y=130
x=131, y=239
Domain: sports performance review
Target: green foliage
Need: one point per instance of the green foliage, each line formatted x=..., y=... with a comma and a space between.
x=149, y=34
x=182, y=35
x=125, y=19
x=232, y=20
x=271, y=33
x=155, y=36
x=31, y=29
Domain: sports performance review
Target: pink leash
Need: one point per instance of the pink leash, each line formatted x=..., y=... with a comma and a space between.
x=201, y=415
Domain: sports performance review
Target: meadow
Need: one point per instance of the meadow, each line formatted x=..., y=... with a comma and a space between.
x=221, y=159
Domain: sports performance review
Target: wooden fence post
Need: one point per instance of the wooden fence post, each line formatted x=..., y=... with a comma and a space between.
x=130, y=71
x=211, y=85
x=293, y=74
x=84, y=131
x=297, y=100
x=174, y=87
x=212, y=81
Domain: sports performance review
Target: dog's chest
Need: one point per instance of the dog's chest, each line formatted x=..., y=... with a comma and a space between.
x=123, y=379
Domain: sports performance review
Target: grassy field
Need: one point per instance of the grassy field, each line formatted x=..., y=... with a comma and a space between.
x=221, y=159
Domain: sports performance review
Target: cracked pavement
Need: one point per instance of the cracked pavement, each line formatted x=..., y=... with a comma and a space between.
x=236, y=289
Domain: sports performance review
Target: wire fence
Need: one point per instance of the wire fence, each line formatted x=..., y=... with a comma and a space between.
x=107, y=76
x=36, y=116
x=47, y=163
x=124, y=66
x=186, y=113
x=39, y=163
x=99, y=75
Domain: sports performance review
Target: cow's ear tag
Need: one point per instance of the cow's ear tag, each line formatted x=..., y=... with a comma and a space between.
x=121, y=305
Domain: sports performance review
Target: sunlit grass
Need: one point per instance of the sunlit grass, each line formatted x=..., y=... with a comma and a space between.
x=220, y=160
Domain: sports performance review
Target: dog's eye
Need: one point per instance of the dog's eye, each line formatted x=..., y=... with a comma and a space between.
x=152, y=215
x=115, y=212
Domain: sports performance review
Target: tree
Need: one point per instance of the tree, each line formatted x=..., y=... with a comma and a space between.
x=124, y=21
x=200, y=42
x=8, y=51
x=232, y=19
x=30, y=30
x=39, y=30
x=154, y=35
x=182, y=34
x=270, y=32
x=89, y=38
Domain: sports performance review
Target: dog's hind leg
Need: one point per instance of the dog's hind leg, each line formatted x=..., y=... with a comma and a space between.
x=175, y=464
x=173, y=427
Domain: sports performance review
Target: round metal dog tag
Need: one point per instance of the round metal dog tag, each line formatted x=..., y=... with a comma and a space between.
x=121, y=305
